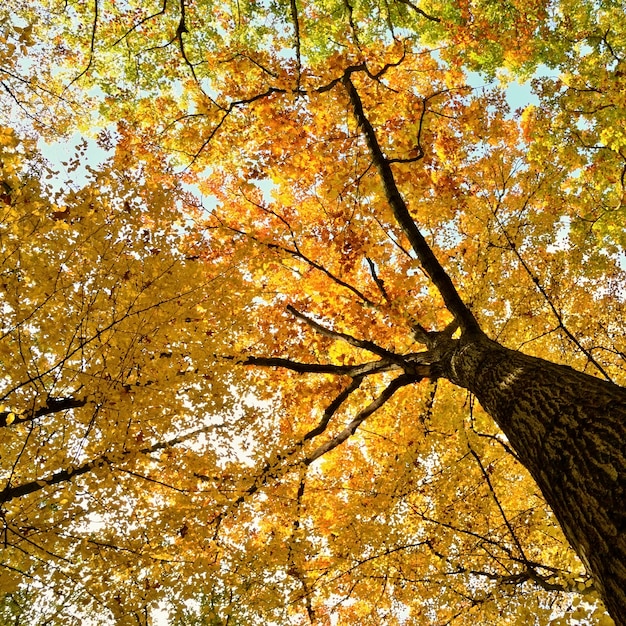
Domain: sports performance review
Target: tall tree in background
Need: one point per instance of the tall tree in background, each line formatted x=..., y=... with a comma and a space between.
x=241, y=357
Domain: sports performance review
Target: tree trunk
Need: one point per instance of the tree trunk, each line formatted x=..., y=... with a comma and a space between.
x=569, y=430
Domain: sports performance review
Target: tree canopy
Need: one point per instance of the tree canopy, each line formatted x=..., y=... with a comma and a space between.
x=229, y=392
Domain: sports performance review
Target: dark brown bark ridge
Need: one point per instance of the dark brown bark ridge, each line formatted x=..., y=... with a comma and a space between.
x=566, y=427
x=569, y=430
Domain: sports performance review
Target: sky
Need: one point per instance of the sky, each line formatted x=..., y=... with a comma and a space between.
x=518, y=96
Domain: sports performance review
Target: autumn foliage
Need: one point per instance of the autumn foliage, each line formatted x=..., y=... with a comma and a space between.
x=222, y=399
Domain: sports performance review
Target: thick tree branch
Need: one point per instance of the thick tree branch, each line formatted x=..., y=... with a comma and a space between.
x=350, y=429
x=429, y=261
x=273, y=469
x=53, y=405
x=296, y=33
x=364, y=369
x=332, y=408
x=12, y=492
x=380, y=283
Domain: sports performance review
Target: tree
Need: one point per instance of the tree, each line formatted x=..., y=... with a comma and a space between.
x=241, y=359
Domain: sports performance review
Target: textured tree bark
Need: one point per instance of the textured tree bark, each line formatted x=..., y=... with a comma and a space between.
x=569, y=430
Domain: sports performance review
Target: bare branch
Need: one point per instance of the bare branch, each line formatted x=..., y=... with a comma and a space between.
x=498, y=504
x=76, y=349
x=253, y=61
x=298, y=254
x=140, y=22
x=364, y=369
x=332, y=408
x=544, y=293
x=353, y=341
x=92, y=47
x=296, y=32
x=227, y=111
x=274, y=468
x=11, y=493
x=432, y=18
x=397, y=383
x=53, y=405
x=418, y=142
x=379, y=282
x=294, y=569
